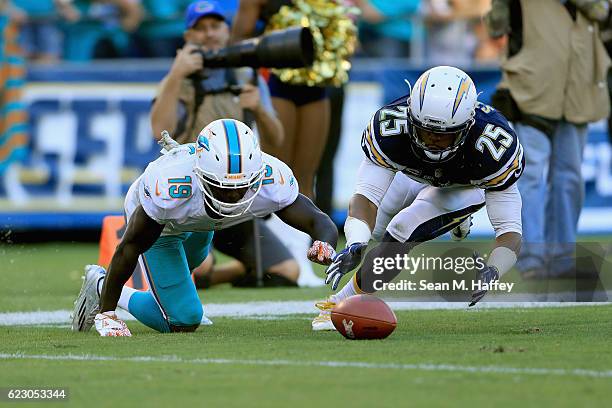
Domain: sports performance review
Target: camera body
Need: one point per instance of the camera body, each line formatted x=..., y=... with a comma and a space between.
x=222, y=80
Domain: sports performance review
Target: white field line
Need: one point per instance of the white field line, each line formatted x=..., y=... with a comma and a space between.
x=274, y=310
x=576, y=372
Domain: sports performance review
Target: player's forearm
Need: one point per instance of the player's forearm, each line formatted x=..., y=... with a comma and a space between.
x=309, y=219
x=269, y=127
x=361, y=219
x=164, y=111
x=324, y=230
x=303, y=215
x=121, y=268
x=363, y=209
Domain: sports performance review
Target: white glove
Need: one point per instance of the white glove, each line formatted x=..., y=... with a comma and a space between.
x=109, y=325
x=321, y=253
x=166, y=142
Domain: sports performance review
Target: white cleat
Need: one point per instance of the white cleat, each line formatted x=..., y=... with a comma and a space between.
x=323, y=321
x=87, y=304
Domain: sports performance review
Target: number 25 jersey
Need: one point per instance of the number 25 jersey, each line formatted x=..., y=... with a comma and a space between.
x=490, y=158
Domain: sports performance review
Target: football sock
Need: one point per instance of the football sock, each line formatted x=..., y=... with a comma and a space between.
x=348, y=290
x=142, y=306
x=124, y=299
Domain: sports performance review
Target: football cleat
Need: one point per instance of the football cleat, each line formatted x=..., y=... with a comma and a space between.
x=323, y=321
x=87, y=304
x=485, y=276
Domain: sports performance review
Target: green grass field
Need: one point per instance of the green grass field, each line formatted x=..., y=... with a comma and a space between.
x=558, y=357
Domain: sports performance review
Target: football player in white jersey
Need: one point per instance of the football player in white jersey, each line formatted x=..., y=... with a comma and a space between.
x=433, y=158
x=172, y=210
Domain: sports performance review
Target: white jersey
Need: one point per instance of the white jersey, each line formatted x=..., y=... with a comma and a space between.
x=170, y=195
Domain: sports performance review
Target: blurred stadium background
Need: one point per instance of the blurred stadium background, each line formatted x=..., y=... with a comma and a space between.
x=87, y=71
x=87, y=135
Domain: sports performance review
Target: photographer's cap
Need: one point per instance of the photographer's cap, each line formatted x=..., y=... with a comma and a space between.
x=205, y=8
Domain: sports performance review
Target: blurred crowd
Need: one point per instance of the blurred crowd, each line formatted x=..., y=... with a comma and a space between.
x=441, y=31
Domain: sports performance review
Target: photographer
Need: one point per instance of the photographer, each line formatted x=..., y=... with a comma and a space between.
x=189, y=98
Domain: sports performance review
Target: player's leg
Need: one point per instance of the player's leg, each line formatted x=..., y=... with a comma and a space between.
x=197, y=248
x=172, y=303
x=401, y=193
x=434, y=212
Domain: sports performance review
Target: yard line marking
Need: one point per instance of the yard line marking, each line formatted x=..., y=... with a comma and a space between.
x=577, y=372
x=272, y=309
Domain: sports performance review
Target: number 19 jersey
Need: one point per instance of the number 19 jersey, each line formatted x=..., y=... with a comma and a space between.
x=170, y=194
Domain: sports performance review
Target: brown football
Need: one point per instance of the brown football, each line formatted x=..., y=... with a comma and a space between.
x=363, y=317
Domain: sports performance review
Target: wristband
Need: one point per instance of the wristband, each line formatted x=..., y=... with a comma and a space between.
x=502, y=258
x=356, y=230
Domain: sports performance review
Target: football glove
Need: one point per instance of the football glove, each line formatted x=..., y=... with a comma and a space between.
x=166, y=142
x=344, y=262
x=321, y=253
x=109, y=325
x=487, y=274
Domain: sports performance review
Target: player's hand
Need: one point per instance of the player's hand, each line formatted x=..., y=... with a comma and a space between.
x=346, y=260
x=187, y=61
x=487, y=275
x=109, y=325
x=249, y=97
x=321, y=253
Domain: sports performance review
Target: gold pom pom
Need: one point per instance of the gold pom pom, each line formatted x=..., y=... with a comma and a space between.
x=334, y=35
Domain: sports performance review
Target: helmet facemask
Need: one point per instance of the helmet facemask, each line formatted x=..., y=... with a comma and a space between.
x=227, y=198
x=423, y=137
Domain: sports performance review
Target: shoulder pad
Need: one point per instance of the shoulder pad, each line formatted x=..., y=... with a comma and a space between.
x=378, y=137
x=279, y=185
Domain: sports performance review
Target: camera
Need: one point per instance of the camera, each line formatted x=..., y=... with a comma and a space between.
x=290, y=48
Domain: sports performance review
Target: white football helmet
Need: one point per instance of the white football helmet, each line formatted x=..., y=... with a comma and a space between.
x=442, y=102
x=229, y=166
